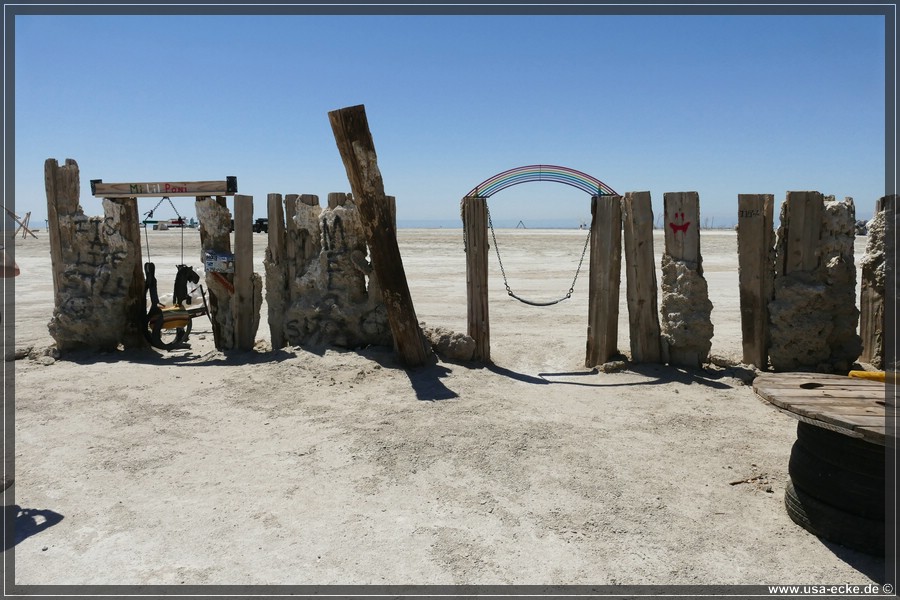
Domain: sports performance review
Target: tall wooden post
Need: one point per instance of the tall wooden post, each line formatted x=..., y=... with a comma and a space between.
x=682, y=223
x=243, y=272
x=63, y=192
x=215, y=236
x=756, y=270
x=308, y=247
x=357, y=149
x=292, y=236
x=804, y=214
x=476, y=241
x=135, y=300
x=276, y=277
x=606, y=268
x=640, y=275
x=872, y=290
x=686, y=326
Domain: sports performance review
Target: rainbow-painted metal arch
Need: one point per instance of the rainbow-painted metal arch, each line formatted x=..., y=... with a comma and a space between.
x=529, y=173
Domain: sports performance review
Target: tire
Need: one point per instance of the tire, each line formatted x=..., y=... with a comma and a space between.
x=850, y=491
x=824, y=521
x=842, y=451
x=165, y=339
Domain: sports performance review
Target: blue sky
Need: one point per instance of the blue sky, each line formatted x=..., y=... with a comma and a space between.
x=718, y=104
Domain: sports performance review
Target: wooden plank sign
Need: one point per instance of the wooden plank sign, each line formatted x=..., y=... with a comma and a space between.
x=227, y=187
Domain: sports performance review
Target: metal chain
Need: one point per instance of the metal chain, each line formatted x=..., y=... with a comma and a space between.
x=503, y=271
x=581, y=260
x=497, y=250
x=149, y=215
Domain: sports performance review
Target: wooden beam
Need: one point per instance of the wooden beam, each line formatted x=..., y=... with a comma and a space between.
x=23, y=224
x=243, y=273
x=756, y=269
x=226, y=187
x=606, y=269
x=640, y=275
x=477, y=249
x=357, y=149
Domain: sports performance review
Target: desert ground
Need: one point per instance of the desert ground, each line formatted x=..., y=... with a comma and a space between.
x=336, y=466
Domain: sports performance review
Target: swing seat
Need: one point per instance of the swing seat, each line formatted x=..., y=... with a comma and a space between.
x=173, y=317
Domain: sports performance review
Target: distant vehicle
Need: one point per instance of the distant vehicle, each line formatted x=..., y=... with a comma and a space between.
x=261, y=226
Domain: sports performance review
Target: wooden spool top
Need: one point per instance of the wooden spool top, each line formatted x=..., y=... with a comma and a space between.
x=853, y=407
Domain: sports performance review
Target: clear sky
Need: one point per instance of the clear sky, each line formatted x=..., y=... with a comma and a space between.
x=718, y=104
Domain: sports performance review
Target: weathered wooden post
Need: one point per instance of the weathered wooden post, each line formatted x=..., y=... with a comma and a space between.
x=475, y=226
x=606, y=269
x=215, y=239
x=96, y=265
x=640, y=274
x=291, y=235
x=244, y=285
x=276, y=276
x=686, y=327
x=872, y=290
x=63, y=192
x=357, y=149
x=813, y=316
x=308, y=246
x=802, y=228
x=135, y=299
x=756, y=271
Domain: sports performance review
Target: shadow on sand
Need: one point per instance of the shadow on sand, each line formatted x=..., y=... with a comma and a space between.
x=22, y=523
x=656, y=374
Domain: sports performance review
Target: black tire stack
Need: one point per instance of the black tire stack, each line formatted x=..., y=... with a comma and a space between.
x=836, y=488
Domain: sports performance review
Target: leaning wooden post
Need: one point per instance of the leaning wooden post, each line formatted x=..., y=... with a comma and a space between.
x=357, y=149
x=276, y=277
x=756, y=272
x=606, y=268
x=640, y=276
x=243, y=272
x=475, y=224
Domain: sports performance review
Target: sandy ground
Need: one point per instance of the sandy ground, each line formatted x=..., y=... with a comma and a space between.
x=338, y=467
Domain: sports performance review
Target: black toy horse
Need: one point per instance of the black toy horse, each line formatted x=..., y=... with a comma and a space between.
x=160, y=317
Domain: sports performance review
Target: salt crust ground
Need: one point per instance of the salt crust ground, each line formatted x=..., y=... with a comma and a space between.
x=328, y=466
